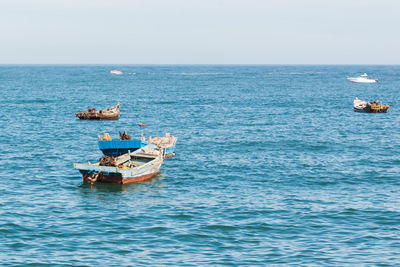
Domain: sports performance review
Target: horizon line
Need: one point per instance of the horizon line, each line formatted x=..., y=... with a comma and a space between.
x=203, y=64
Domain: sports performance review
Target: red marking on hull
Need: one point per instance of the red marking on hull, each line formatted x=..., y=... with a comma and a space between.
x=138, y=179
x=119, y=180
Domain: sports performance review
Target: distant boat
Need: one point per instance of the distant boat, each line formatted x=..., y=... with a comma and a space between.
x=369, y=107
x=362, y=79
x=117, y=72
x=132, y=167
x=105, y=114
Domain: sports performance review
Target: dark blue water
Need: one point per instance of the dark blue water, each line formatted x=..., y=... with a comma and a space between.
x=272, y=167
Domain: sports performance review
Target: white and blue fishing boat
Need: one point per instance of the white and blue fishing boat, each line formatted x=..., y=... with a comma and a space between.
x=131, y=167
x=119, y=147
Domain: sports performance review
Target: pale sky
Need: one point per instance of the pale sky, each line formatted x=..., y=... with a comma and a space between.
x=200, y=32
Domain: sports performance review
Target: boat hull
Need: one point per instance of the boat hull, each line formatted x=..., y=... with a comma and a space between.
x=364, y=81
x=115, y=178
x=98, y=117
x=369, y=110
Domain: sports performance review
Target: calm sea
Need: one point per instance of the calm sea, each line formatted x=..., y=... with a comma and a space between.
x=273, y=166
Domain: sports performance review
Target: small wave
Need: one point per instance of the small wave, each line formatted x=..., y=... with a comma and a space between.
x=33, y=101
x=165, y=102
x=197, y=73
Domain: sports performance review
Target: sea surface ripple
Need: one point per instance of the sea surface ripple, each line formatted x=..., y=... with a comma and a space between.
x=273, y=166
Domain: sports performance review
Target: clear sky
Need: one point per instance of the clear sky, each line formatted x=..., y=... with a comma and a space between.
x=200, y=31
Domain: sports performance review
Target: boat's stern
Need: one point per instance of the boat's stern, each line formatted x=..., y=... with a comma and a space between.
x=94, y=173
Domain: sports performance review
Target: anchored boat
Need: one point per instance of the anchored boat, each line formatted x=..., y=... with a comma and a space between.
x=369, y=107
x=131, y=167
x=116, y=72
x=118, y=147
x=105, y=114
x=362, y=79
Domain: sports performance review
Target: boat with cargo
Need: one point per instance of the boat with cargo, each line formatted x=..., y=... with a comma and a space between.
x=125, y=143
x=131, y=167
x=369, y=107
x=105, y=114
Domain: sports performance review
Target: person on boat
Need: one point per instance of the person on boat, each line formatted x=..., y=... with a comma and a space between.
x=124, y=136
x=106, y=137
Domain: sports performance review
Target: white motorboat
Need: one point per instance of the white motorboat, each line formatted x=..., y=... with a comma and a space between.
x=116, y=72
x=362, y=79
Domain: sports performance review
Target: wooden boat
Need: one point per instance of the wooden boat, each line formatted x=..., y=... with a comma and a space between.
x=132, y=167
x=105, y=114
x=369, y=107
x=118, y=147
x=167, y=142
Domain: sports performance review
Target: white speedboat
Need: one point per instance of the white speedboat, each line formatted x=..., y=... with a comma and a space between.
x=116, y=72
x=362, y=79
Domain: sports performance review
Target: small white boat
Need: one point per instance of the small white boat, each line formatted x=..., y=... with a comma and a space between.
x=116, y=72
x=362, y=79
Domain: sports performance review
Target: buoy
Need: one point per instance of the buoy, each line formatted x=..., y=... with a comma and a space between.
x=142, y=125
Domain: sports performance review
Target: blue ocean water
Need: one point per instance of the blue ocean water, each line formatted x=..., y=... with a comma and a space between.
x=273, y=166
